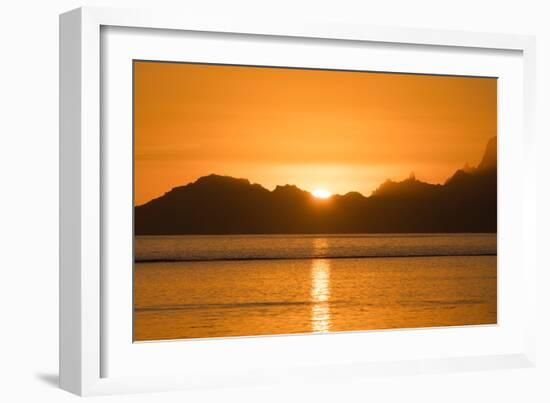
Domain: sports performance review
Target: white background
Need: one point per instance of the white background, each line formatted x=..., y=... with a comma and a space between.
x=29, y=202
x=238, y=355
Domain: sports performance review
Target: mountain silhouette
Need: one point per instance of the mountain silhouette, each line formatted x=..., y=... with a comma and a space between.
x=215, y=204
x=489, y=161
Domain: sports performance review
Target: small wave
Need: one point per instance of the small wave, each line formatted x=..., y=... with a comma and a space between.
x=446, y=302
x=258, y=304
x=313, y=257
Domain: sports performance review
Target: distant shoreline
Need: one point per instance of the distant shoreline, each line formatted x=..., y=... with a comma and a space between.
x=328, y=235
x=221, y=204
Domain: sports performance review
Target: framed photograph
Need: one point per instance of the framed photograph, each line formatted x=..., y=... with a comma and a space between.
x=251, y=202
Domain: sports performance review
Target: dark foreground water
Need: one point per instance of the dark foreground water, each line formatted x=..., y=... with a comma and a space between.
x=261, y=285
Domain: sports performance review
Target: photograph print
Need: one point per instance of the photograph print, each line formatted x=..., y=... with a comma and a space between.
x=276, y=201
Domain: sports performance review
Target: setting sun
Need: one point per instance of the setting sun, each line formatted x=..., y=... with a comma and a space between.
x=321, y=193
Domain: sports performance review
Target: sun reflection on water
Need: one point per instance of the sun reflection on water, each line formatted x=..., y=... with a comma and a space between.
x=320, y=292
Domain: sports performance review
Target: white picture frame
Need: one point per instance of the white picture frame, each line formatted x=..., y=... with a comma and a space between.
x=88, y=330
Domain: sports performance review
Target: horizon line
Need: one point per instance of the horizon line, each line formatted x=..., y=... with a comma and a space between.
x=412, y=176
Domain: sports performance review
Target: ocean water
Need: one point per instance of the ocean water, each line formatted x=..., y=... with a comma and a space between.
x=222, y=286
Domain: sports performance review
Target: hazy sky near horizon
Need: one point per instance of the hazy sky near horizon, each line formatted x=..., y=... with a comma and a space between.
x=340, y=131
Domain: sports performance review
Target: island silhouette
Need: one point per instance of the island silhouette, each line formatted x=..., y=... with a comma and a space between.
x=216, y=204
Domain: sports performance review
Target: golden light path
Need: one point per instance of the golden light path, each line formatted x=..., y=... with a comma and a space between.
x=320, y=291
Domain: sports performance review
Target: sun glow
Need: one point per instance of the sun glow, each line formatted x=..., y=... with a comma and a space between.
x=321, y=194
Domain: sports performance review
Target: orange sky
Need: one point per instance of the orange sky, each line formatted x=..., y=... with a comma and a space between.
x=341, y=131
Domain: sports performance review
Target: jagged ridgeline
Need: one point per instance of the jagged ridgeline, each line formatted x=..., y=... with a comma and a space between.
x=214, y=204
